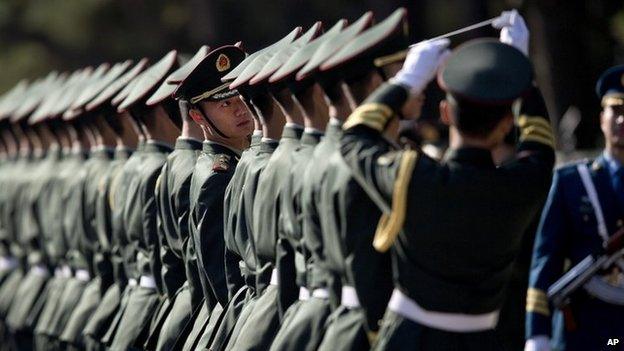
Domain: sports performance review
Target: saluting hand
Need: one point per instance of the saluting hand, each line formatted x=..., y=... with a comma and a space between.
x=514, y=31
x=422, y=63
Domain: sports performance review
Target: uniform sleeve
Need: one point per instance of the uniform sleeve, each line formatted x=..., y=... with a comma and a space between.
x=548, y=260
x=285, y=252
x=384, y=176
x=535, y=156
x=233, y=275
x=150, y=228
x=171, y=263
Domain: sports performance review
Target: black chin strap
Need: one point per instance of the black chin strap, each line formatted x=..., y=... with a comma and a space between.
x=212, y=125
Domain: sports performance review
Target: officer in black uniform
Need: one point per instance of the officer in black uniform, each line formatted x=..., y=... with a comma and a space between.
x=430, y=207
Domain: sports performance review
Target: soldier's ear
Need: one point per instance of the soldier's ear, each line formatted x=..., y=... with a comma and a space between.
x=196, y=115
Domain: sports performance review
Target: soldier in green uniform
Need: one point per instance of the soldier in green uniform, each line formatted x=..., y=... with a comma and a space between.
x=160, y=124
x=239, y=244
x=79, y=256
x=226, y=126
x=125, y=142
x=31, y=220
x=93, y=175
x=117, y=198
x=429, y=206
x=365, y=276
x=304, y=326
x=172, y=208
x=12, y=140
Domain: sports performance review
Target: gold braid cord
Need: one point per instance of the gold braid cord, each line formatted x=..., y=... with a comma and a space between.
x=390, y=224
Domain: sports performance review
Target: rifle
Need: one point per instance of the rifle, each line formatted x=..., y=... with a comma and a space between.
x=580, y=275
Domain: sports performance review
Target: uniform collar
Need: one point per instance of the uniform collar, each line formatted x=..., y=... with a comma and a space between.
x=471, y=156
x=188, y=144
x=292, y=131
x=122, y=153
x=255, y=138
x=157, y=146
x=311, y=137
x=268, y=145
x=211, y=147
x=103, y=151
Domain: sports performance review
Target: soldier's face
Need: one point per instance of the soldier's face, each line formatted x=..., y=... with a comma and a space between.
x=230, y=116
x=612, y=125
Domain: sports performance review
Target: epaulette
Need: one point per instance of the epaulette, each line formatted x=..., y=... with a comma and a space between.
x=221, y=163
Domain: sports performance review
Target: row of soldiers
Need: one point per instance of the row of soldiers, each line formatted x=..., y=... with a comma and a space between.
x=234, y=201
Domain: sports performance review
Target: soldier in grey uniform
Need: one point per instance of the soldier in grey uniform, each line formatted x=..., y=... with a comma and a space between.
x=94, y=176
x=106, y=222
x=181, y=281
x=365, y=275
x=160, y=124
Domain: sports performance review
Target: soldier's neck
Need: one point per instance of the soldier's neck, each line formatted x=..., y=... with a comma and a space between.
x=46, y=136
x=161, y=129
x=234, y=143
x=340, y=109
x=127, y=136
x=105, y=135
x=10, y=143
x=458, y=140
x=315, y=111
x=191, y=129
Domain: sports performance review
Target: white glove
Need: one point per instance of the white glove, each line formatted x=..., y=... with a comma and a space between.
x=422, y=63
x=514, y=31
x=537, y=343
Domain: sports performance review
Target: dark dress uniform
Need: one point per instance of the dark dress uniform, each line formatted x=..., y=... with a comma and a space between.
x=585, y=206
x=446, y=293
x=174, y=211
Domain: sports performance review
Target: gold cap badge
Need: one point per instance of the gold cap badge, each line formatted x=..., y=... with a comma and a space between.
x=223, y=63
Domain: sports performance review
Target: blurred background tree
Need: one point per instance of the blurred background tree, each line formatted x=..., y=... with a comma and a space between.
x=572, y=41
